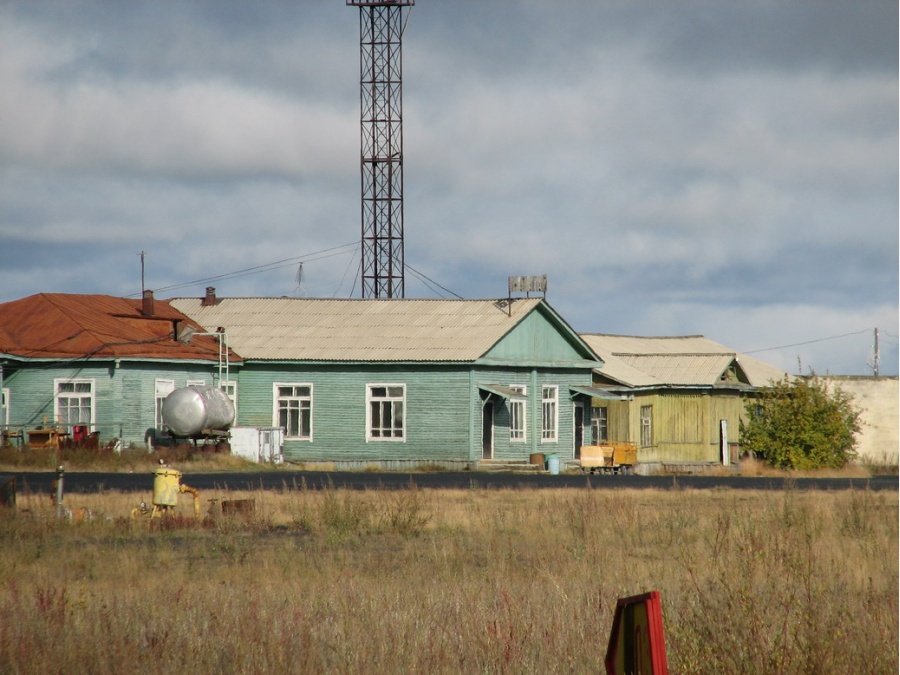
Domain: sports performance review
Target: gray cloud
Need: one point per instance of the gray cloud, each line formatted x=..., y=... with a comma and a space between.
x=718, y=167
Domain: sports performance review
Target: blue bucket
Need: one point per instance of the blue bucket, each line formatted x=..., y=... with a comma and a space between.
x=553, y=464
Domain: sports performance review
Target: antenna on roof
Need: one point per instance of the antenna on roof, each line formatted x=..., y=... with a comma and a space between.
x=142, y=272
x=526, y=285
x=299, y=279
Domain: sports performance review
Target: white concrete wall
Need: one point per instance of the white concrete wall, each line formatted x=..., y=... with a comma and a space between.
x=877, y=398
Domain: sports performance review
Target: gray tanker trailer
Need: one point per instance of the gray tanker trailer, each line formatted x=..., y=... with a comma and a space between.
x=192, y=412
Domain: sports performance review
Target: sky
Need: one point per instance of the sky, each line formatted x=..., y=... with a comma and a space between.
x=726, y=168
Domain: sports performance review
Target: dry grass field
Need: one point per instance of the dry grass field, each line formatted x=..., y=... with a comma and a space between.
x=471, y=581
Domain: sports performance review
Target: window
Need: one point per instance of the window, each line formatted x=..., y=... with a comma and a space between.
x=293, y=410
x=549, y=413
x=4, y=406
x=646, y=426
x=600, y=425
x=386, y=413
x=163, y=389
x=517, y=415
x=230, y=389
x=195, y=383
x=74, y=402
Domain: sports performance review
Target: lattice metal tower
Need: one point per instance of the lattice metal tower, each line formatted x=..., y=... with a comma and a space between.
x=381, y=152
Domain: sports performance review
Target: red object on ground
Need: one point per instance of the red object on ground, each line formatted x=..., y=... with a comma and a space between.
x=637, y=644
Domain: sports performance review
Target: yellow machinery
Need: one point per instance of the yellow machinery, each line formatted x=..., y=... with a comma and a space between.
x=167, y=486
x=613, y=457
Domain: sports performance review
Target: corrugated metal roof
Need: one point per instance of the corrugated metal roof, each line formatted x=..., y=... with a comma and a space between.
x=310, y=329
x=691, y=360
x=682, y=369
x=72, y=326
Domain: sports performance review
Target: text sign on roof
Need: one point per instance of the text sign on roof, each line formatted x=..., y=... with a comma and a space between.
x=636, y=642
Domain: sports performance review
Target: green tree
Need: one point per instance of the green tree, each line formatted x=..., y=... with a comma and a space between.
x=801, y=423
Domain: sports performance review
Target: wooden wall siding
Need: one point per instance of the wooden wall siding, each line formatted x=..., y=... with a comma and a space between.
x=124, y=397
x=437, y=403
x=728, y=407
x=618, y=421
x=134, y=406
x=685, y=426
x=535, y=340
x=534, y=379
x=681, y=428
x=443, y=411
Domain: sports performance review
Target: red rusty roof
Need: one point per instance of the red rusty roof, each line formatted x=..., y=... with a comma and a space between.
x=69, y=326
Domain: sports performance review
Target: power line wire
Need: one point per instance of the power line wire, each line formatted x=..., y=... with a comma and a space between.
x=259, y=269
x=808, y=342
x=346, y=271
x=428, y=280
x=427, y=284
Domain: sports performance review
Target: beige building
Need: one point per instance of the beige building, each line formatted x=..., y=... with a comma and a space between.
x=877, y=399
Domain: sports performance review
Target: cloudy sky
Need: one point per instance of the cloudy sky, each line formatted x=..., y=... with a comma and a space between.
x=718, y=167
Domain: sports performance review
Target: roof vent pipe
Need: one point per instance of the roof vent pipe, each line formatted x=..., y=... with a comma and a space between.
x=147, y=307
x=210, y=298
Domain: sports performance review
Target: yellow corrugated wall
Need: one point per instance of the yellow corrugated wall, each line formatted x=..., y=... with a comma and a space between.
x=685, y=426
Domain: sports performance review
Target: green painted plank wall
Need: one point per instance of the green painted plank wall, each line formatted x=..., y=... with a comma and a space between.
x=124, y=396
x=535, y=339
x=436, y=401
x=443, y=410
x=534, y=380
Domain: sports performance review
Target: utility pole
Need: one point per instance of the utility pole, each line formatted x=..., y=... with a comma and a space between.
x=877, y=355
x=381, y=115
x=142, y=273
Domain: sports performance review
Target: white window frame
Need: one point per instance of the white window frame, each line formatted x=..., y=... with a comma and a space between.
x=161, y=389
x=90, y=395
x=395, y=435
x=600, y=424
x=298, y=397
x=4, y=404
x=549, y=413
x=195, y=383
x=230, y=388
x=646, y=426
x=518, y=415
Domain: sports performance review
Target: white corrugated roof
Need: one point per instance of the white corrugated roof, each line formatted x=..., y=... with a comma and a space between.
x=358, y=330
x=686, y=360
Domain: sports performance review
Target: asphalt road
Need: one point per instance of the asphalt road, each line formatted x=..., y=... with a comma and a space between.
x=82, y=483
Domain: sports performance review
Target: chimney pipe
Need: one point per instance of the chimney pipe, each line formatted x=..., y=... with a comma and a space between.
x=147, y=307
x=210, y=298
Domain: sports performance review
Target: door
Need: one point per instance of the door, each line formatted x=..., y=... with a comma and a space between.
x=579, y=429
x=487, y=430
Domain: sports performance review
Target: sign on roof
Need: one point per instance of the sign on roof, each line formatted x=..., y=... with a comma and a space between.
x=528, y=284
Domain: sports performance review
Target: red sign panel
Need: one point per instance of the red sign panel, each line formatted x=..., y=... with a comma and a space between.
x=637, y=645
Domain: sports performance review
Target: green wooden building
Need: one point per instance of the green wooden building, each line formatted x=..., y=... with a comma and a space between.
x=405, y=382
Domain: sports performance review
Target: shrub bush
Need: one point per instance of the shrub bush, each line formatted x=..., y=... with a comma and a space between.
x=802, y=424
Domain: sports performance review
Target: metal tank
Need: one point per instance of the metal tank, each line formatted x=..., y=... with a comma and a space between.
x=165, y=486
x=190, y=410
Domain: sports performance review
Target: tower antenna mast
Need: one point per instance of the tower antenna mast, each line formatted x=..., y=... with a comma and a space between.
x=382, y=268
